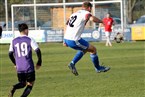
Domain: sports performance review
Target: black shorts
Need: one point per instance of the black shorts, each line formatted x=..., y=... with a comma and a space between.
x=26, y=77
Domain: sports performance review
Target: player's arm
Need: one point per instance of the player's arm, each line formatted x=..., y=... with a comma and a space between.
x=39, y=62
x=113, y=22
x=11, y=54
x=95, y=19
x=102, y=24
x=64, y=44
x=35, y=47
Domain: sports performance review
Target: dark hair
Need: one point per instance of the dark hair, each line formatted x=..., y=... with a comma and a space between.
x=22, y=27
x=109, y=13
x=87, y=4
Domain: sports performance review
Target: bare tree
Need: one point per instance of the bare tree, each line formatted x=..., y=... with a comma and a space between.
x=2, y=9
x=130, y=5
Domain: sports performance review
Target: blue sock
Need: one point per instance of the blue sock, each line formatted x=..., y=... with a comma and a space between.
x=77, y=57
x=95, y=60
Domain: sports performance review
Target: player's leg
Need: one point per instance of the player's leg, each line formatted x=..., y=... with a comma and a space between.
x=28, y=89
x=107, y=34
x=94, y=56
x=107, y=38
x=109, y=42
x=30, y=83
x=80, y=45
x=21, y=84
x=76, y=58
x=95, y=59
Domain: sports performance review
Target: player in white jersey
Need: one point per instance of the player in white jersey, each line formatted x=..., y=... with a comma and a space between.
x=72, y=38
x=76, y=24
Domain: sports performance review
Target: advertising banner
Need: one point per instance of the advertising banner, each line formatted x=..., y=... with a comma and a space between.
x=7, y=36
x=138, y=33
x=91, y=35
x=54, y=35
x=117, y=29
x=57, y=35
x=38, y=35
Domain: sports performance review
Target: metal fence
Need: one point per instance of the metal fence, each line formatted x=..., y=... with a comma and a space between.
x=47, y=20
x=39, y=14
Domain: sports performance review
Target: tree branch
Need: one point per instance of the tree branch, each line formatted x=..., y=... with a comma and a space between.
x=133, y=4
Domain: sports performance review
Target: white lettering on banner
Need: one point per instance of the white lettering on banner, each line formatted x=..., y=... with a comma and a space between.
x=50, y=32
x=54, y=35
x=7, y=35
x=38, y=35
x=117, y=29
x=86, y=35
x=127, y=30
x=59, y=32
x=55, y=32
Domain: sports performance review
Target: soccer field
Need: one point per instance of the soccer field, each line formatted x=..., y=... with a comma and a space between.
x=125, y=79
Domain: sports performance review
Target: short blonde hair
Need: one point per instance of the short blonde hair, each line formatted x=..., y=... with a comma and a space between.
x=87, y=4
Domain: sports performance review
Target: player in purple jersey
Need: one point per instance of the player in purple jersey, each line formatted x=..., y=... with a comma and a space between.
x=20, y=53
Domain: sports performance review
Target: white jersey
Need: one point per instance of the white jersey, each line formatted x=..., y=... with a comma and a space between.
x=76, y=24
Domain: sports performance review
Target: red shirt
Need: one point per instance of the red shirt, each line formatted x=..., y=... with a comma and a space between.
x=108, y=24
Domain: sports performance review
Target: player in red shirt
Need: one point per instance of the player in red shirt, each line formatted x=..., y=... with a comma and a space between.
x=108, y=22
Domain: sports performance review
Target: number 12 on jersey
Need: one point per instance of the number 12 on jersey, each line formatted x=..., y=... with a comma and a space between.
x=72, y=20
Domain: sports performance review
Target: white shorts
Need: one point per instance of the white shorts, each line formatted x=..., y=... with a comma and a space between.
x=108, y=34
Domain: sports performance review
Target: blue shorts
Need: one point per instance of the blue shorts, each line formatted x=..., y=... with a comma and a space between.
x=77, y=45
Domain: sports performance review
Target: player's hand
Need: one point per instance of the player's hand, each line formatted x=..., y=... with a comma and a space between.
x=64, y=44
x=37, y=67
x=101, y=25
x=15, y=67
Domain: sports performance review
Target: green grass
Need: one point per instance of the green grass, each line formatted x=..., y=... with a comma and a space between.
x=125, y=79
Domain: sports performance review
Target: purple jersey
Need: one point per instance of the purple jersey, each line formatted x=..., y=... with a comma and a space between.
x=22, y=48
